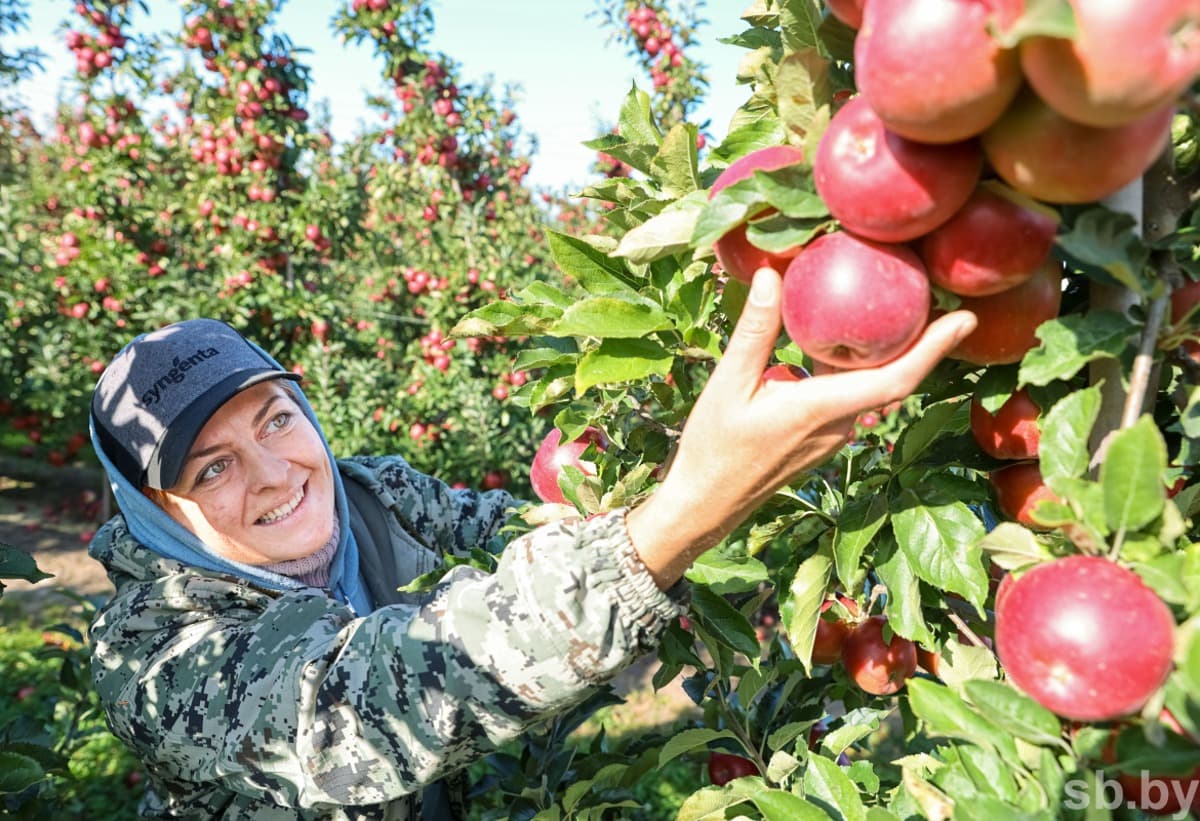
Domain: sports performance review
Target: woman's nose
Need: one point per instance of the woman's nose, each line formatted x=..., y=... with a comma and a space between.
x=266, y=468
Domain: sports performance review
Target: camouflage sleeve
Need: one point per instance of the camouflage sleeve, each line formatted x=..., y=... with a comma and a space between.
x=455, y=519
x=315, y=708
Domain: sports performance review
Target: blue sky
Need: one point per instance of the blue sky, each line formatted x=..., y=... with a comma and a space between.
x=570, y=80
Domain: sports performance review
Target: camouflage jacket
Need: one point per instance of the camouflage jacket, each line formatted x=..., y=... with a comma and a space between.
x=251, y=703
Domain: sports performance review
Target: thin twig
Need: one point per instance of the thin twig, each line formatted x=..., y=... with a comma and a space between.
x=1143, y=363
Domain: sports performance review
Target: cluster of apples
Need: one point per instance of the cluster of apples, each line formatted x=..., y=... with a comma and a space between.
x=906, y=167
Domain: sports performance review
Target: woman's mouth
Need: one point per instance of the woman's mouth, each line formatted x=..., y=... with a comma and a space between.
x=284, y=510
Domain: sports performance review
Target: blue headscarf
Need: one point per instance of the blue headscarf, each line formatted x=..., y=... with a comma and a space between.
x=152, y=527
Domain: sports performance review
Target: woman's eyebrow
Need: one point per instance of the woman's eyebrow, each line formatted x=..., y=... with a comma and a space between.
x=258, y=417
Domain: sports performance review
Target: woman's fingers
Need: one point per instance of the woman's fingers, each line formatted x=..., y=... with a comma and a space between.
x=854, y=391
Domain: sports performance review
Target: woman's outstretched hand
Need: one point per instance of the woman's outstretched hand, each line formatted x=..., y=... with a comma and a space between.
x=745, y=438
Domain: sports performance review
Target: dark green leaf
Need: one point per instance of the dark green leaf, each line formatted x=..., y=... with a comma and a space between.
x=687, y=740
x=919, y=435
x=17, y=772
x=801, y=606
x=18, y=564
x=724, y=622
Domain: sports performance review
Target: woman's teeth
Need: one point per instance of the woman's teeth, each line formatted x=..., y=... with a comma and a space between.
x=283, y=510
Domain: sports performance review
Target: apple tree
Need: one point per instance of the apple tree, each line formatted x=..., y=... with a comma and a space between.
x=984, y=605
x=189, y=174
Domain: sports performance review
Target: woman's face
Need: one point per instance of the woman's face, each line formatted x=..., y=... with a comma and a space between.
x=257, y=485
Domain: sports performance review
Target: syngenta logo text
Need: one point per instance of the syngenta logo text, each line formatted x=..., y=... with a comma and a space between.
x=1153, y=792
x=176, y=374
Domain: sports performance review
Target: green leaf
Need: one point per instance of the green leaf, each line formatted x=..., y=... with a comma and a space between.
x=947, y=714
x=801, y=607
x=1071, y=342
x=531, y=358
x=636, y=120
x=675, y=167
x=725, y=576
x=18, y=772
x=670, y=231
x=857, y=526
x=1065, y=429
x=903, y=605
x=1015, y=712
x=621, y=360
x=1107, y=240
x=1131, y=476
x=1013, y=546
x=791, y=192
x=504, y=318
x=828, y=786
x=922, y=432
x=802, y=87
x=746, y=139
x=608, y=317
x=687, y=740
x=592, y=268
x=724, y=622
x=799, y=21
x=942, y=544
x=1046, y=18
x=779, y=805
x=17, y=564
x=779, y=235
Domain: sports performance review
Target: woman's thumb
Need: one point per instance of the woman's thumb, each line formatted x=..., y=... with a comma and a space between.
x=753, y=338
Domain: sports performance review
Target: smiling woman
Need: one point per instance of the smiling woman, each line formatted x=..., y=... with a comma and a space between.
x=259, y=655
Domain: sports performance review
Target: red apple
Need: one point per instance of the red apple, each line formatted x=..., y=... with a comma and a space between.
x=885, y=187
x=552, y=456
x=1012, y=431
x=723, y=768
x=994, y=242
x=1008, y=321
x=877, y=666
x=1183, y=299
x=1018, y=490
x=931, y=67
x=1085, y=638
x=1043, y=154
x=849, y=12
x=1129, y=58
x=831, y=633
x=852, y=303
x=781, y=372
x=737, y=256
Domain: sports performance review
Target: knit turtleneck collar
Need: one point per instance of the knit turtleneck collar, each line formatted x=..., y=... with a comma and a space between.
x=312, y=569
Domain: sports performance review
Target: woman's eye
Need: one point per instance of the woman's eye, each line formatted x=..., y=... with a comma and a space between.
x=213, y=470
x=279, y=421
